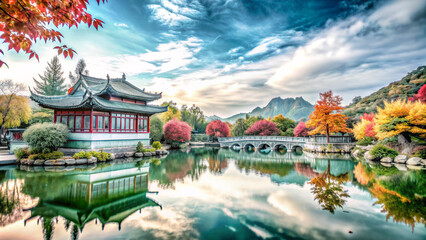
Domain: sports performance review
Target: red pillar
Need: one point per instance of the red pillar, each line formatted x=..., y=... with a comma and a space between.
x=91, y=120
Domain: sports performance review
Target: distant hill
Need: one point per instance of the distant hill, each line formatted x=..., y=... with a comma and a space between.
x=404, y=88
x=293, y=108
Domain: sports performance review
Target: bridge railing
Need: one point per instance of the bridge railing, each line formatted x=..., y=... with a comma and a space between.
x=333, y=139
x=264, y=138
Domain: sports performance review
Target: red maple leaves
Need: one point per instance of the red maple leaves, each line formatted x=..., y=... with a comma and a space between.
x=263, y=128
x=217, y=128
x=23, y=22
x=178, y=131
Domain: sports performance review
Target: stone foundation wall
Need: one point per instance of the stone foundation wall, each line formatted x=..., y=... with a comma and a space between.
x=329, y=148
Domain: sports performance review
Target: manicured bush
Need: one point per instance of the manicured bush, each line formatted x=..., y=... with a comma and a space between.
x=139, y=147
x=21, y=153
x=101, y=156
x=365, y=141
x=148, y=150
x=420, y=152
x=82, y=154
x=46, y=137
x=46, y=156
x=156, y=145
x=177, y=132
x=379, y=151
x=300, y=130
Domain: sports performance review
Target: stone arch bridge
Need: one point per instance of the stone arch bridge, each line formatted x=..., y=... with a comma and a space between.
x=258, y=142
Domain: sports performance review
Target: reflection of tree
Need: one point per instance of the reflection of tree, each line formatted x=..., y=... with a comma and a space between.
x=328, y=190
x=401, y=195
x=12, y=201
x=305, y=170
x=48, y=228
x=265, y=167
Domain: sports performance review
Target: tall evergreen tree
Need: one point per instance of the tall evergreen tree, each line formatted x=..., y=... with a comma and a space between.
x=52, y=81
x=79, y=69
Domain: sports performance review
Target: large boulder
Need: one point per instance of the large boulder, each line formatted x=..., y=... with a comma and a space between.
x=60, y=162
x=81, y=161
x=386, y=160
x=49, y=162
x=356, y=153
x=147, y=154
x=70, y=161
x=414, y=161
x=368, y=156
x=400, y=159
x=113, y=156
x=30, y=162
x=138, y=155
x=92, y=160
x=38, y=162
x=129, y=154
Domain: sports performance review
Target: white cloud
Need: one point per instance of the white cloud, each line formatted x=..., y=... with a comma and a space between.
x=121, y=25
x=265, y=46
x=175, y=12
x=358, y=52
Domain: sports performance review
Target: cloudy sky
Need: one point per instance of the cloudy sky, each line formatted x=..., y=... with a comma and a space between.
x=229, y=56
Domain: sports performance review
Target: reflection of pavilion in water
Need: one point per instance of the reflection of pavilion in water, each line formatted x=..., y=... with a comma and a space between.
x=289, y=167
x=109, y=197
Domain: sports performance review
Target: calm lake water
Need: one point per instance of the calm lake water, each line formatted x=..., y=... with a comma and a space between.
x=215, y=194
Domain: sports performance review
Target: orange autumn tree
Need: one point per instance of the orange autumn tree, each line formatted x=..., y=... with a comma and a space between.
x=23, y=22
x=327, y=117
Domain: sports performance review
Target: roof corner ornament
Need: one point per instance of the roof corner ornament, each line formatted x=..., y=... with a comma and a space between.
x=143, y=90
x=124, y=77
x=108, y=78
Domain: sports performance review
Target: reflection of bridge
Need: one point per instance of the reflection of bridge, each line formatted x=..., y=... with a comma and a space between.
x=258, y=142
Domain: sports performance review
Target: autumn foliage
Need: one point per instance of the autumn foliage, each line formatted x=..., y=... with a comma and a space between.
x=217, y=128
x=300, y=130
x=365, y=128
x=23, y=22
x=178, y=131
x=401, y=117
x=327, y=117
x=263, y=128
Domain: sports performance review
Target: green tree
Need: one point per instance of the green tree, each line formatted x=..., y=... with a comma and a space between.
x=155, y=128
x=194, y=117
x=51, y=82
x=79, y=70
x=239, y=127
x=285, y=125
x=251, y=120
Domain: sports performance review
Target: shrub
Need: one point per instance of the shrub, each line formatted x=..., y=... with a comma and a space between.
x=46, y=137
x=148, y=150
x=101, y=156
x=139, y=147
x=156, y=145
x=300, y=130
x=420, y=152
x=379, y=151
x=46, y=156
x=82, y=154
x=21, y=153
x=263, y=128
x=365, y=141
x=178, y=131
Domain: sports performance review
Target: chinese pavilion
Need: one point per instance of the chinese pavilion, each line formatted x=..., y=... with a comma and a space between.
x=103, y=113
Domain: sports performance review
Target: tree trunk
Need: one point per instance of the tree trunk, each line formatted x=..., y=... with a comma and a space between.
x=327, y=133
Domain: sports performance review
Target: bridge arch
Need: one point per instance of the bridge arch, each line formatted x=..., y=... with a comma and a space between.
x=296, y=148
x=249, y=147
x=235, y=146
x=280, y=148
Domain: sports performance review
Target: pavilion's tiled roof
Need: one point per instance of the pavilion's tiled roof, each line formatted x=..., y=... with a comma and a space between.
x=103, y=104
x=87, y=93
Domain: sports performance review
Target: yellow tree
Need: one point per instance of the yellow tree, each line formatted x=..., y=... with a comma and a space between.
x=327, y=117
x=14, y=109
x=401, y=118
x=172, y=112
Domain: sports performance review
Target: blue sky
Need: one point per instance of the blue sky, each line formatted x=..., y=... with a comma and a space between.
x=229, y=56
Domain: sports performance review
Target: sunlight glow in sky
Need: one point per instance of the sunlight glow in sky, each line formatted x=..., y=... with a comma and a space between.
x=229, y=56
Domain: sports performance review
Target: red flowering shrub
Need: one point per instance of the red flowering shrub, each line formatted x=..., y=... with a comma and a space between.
x=263, y=128
x=367, y=117
x=300, y=130
x=217, y=128
x=177, y=131
x=421, y=95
